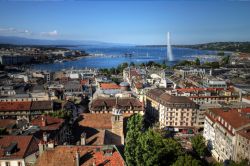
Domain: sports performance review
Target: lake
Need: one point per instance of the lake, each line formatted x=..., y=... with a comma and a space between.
x=108, y=57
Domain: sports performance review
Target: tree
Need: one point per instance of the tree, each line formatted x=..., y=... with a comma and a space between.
x=221, y=53
x=225, y=60
x=197, y=62
x=241, y=163
x=186, y=160
x=199, y=145
x=132, y=64
x=132, y=147
x=158, y=151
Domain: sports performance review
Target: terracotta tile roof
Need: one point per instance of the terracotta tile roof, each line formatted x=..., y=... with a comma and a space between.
x=52, y=123
x=15, y=106
x=166, y=99
x=245, y=132
x=97, y=121
x=109, y=103
x=133, y=72
x=175, y=99
x=156, y=92
x=84, y=82
x=138, y=85
x=231, y=116
x=109, y=86
x=7, y=123
x=245, y=110
x=89, y=155
x=94, y=137
x=26, y=145
x=41, y=105
x=199, y=89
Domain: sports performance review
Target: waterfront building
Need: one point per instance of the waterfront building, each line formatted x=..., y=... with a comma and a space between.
x=15, y=59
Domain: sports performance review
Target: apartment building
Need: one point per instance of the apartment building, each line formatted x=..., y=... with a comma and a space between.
x=227, y=133
x=176, y=112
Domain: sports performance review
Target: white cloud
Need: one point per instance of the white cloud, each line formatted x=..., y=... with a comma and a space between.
x=10, y=31
x=14, y=31
x=50, y=34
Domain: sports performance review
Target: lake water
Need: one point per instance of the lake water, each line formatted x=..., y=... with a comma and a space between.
x=107, y=57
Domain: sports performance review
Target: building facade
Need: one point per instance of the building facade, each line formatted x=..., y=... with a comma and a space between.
x=227, y=133
x=178, y=112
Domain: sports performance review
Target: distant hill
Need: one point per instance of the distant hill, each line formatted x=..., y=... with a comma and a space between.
x=220, y=46
x=27, y=41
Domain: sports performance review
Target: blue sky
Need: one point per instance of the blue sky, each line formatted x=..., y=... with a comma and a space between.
x=134, y=22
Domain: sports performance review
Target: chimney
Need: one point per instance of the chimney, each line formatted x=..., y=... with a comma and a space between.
x=83, y=138
x=77, y=158
x=41, y=148
x=44, y=121
x=45, y=137
x=51, y=144
x=116, y=101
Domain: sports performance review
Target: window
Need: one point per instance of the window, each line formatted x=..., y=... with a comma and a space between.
x=7, y=163
x=19, y=163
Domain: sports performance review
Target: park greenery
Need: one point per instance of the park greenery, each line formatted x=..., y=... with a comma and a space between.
x=224, y=61
x=119, y=69
x=146, y=147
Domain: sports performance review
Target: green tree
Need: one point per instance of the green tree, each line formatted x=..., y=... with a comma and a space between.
x=132, y=64
x=212, y=64
x=225, y=60
x=158, y=151
x=199, y=145
x=112, y=70
x=221, y=53
x=132, y=147
x=186, y=160
x=163, y=66
x=241, y=163
x=197, y=62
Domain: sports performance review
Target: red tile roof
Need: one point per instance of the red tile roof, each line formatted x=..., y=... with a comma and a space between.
x=89, y=155
x=41, y=105
x=199, y=89
x=165, y=99
x=6, y=123
x=245, y=133
x=52, y=123
x=97, y=121
x=109, y=86
x=138, y=85
x=84, y=82
x=15, y=106
x=26, y=145
x=231, y=116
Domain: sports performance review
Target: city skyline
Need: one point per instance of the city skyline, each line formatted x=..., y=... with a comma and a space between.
x=139, y=22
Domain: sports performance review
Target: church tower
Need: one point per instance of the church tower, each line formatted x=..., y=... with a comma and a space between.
x=117, y=121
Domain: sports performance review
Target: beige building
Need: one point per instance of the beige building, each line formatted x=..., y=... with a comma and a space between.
x=227, y=133
x=176, y=112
